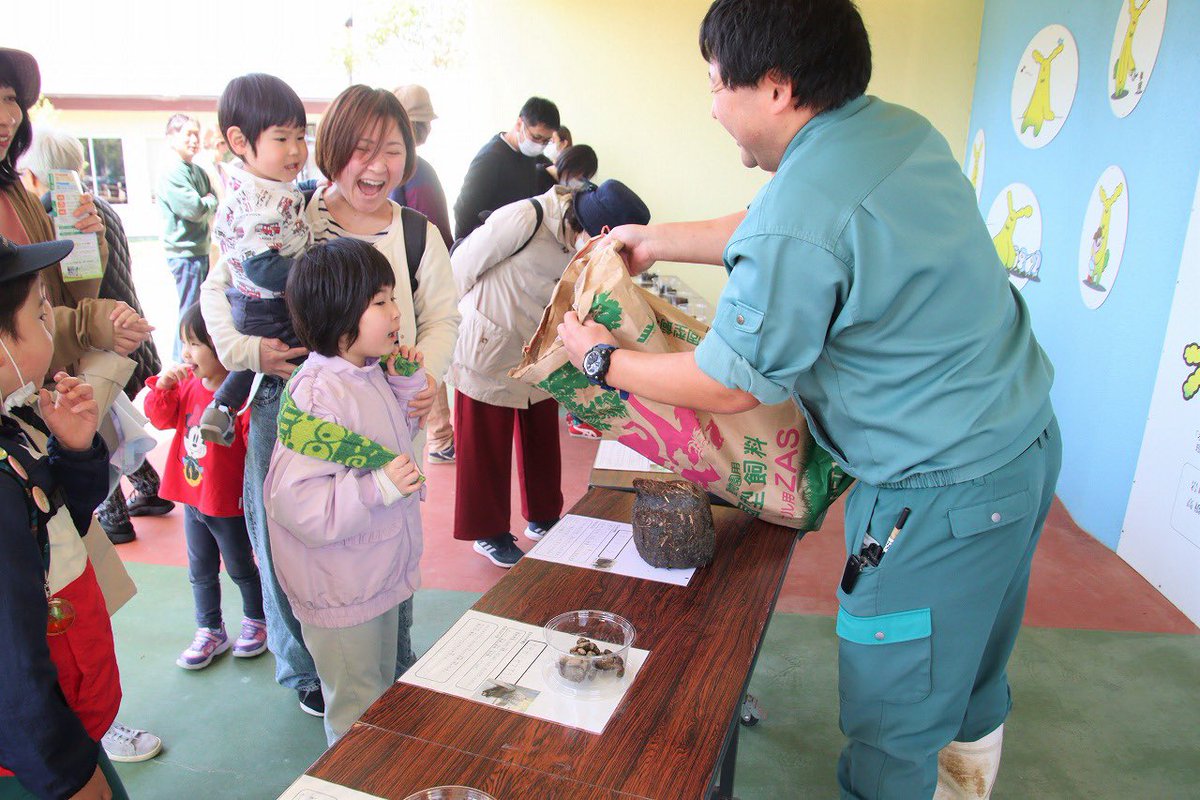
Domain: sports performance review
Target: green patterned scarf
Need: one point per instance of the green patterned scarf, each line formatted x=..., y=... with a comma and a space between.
x=324, y=439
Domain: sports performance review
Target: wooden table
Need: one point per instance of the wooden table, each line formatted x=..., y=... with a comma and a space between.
x=678, y=719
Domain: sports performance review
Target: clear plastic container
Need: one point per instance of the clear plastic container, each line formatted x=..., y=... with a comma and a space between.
x=450, y=793
x=584, y=669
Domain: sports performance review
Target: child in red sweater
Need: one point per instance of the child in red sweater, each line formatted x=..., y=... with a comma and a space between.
x=207, y=479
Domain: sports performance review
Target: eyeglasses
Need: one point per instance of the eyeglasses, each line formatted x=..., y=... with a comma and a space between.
x=534, y=137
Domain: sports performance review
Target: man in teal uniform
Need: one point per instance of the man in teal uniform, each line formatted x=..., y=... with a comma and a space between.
x=863, y=284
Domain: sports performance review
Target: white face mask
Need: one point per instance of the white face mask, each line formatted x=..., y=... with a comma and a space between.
x=575, y=183
x=24, y=396
x=529, y=147
x=552, y=152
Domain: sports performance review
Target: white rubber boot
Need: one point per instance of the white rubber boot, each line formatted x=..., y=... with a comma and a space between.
x=967, y=770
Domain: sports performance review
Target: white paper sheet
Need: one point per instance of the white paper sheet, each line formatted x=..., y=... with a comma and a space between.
x=483, y=653
x=585, y=541
x=307, y=787
x=614, y=455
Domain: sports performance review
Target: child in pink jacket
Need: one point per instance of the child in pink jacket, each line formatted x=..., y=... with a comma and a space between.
x=346, y=542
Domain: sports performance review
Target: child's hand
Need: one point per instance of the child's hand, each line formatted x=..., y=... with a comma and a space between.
x=404, y=474
x=130, y=329
x=73, y=416
x=172, y=376
x=400, y=363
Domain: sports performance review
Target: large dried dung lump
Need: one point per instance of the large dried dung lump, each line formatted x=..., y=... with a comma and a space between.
x=673, y=524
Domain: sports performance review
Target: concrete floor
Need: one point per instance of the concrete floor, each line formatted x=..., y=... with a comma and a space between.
x=1104, y=675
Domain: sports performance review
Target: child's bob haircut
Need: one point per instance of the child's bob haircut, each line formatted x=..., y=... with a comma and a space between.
x=358, y=112
x=191, y=326
x=255, y=102
x=329, y=289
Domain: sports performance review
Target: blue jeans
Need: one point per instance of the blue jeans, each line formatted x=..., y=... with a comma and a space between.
x=294, y=667
x=211, y=540
x=189, y=274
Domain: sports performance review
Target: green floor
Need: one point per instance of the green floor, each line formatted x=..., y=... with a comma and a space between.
x=1097, y=715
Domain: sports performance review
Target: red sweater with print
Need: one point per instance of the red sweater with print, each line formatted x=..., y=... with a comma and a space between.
x=203, y=475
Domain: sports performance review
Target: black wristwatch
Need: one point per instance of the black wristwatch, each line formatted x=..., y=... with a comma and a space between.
x=595, y=365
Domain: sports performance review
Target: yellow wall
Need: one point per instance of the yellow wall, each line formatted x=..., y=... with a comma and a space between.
x=628, y=79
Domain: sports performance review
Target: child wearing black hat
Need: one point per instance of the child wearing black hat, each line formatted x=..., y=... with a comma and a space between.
x=59, y=687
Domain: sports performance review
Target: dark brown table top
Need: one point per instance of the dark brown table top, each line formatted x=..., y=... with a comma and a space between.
x=394, y=766
x=667, y=736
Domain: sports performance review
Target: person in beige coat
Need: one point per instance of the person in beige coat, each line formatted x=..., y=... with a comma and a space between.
x=506, y=272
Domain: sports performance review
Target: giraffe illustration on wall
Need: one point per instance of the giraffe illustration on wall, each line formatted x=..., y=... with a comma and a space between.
x=1004, y=239
x=1100, y=251
x=976, y=152
x=1125, y=68
x=1038, y=111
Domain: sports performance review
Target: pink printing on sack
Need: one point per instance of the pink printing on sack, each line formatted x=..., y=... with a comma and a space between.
x=687, y=438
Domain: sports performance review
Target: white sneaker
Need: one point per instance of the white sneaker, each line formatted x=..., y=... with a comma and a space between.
x=127, y=745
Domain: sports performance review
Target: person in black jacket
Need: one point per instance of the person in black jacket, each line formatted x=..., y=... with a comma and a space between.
x=59, y=688
x=507, y=168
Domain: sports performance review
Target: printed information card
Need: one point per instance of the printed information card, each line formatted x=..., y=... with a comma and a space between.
x=509, y=665
x=601, y=544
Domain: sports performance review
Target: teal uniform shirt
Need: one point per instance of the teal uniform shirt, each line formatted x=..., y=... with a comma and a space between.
x=863, y=283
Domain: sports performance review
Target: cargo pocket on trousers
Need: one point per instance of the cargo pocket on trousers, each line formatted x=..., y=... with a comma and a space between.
x=885, y=658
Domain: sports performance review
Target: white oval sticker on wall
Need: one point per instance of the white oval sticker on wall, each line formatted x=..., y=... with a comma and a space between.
x=1135, y=46
x=1044, y=86
x=1102, y=241
x=1015, y=223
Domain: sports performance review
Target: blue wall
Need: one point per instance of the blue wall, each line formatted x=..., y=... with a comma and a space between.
x=1105, y=360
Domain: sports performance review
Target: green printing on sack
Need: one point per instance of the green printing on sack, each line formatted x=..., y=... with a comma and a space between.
x=564, y=385
x=824, y=482
x=607, y=311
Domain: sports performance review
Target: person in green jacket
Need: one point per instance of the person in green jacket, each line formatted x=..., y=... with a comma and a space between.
x=186, y=198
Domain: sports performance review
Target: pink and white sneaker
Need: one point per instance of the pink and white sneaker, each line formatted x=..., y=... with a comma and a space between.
x=253, y=639
x=208, y=644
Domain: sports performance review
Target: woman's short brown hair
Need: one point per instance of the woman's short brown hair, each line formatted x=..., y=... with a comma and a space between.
x=357, y=109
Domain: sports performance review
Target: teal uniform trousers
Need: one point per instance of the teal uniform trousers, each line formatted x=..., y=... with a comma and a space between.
x=924, y=638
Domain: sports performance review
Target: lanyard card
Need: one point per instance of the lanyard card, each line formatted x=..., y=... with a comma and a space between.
x=65, y=196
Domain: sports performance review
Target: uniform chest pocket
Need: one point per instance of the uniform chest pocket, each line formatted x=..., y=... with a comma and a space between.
x=885, y=658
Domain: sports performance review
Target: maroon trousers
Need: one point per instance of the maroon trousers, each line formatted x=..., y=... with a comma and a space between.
x=483, y=440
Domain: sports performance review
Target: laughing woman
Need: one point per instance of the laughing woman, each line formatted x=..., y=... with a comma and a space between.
x=365, y=147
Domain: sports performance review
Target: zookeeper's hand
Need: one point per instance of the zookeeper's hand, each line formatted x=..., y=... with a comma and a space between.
x=404, y=474
x=73, y=416
x=420, y=405
x=130, y=329
x=636, y=247
x=87, y=219
x=274, y=355
x=578, y=337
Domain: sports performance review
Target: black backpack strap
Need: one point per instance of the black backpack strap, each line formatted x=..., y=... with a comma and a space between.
x=538, y=212
x=416, y=226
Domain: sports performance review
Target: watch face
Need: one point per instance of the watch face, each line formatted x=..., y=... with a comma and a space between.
x=591, y=363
